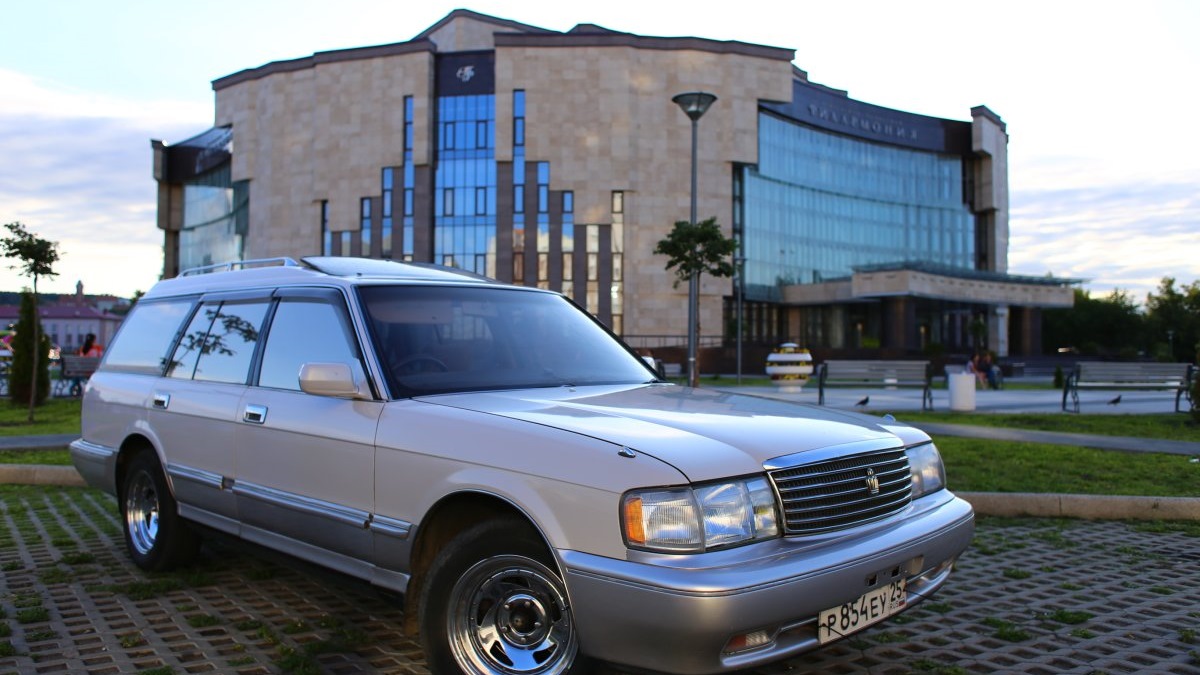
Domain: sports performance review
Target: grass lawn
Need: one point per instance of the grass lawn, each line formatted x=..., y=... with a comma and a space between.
x=55, y=416
x=974, y=465
x=1170, y=426
x=56, y=456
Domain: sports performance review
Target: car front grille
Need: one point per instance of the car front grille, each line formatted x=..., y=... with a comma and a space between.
x=843, y=492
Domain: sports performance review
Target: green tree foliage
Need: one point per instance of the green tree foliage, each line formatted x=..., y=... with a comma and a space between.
x=21, y=376
x=1173, y=321
x=701, y=248
x=35, y=258
x=1111, y=326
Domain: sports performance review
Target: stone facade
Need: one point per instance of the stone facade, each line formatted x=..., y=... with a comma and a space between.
x=599, y=110
x=315, y=133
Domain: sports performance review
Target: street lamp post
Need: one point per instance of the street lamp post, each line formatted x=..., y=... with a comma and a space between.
x=694, y=104
x=739, y=286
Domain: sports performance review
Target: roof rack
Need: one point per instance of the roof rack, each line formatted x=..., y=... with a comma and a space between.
x=239, y=265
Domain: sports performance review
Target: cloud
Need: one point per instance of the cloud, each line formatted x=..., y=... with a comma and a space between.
x=78, y=171
x=1126, y=236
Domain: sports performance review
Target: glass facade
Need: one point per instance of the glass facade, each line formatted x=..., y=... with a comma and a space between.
x=214, y=219
x=820, y=204
x=465, y=210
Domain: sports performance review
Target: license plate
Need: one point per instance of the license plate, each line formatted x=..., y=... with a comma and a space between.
x=872, y=607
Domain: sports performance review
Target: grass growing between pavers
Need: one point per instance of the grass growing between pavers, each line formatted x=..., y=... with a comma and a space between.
x=975, y=465
x=55, y=416
x=1167, y=426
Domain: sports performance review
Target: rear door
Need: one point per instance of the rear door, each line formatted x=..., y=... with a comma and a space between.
x=193, y=407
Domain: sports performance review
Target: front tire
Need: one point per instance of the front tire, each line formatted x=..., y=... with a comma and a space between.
x=156, y=537
x=493, y=605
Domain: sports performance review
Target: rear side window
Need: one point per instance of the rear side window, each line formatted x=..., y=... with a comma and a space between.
x=146, y=336
x=218, y=345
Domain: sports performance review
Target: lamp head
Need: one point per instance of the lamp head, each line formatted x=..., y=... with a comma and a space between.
x=694, y=103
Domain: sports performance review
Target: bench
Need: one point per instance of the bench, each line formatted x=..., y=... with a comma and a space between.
x=875, y=373
x=1176, y=377
x=72, y=368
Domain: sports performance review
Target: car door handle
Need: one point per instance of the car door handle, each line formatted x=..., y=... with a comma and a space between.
x=161, y=401
x=255, y=414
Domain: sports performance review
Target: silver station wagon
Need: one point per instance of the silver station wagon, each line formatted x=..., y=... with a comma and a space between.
x=539, y=497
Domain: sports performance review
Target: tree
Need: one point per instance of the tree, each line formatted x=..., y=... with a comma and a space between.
x=36, y=258
x=1173, y=320
x=29, y=374
x=701, y=248
x=696, y=249
x=1105, y=326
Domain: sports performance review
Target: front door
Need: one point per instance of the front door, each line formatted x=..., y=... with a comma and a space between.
x=305, y=474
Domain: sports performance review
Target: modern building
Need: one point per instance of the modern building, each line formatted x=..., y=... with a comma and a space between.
x=559, y=160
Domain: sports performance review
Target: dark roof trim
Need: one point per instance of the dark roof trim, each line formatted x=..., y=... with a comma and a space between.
x=334, y=56
x=583, y=35
x=643, y=42
x=984, y=111
x=494, y=20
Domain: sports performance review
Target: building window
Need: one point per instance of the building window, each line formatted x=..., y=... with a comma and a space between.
x=448, y=136
x=365, y=225
x=481, y=134
x=618, y=201
x=386, y=233
x=519, y=118
x=568, y=202
x=448, y=202
x=326, y=235
x=480, y=201
x=518, y=199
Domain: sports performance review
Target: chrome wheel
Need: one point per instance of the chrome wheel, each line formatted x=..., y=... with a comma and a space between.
x=141, y=513
x=509, y=615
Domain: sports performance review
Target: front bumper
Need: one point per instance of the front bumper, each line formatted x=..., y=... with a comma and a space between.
x=677, y=613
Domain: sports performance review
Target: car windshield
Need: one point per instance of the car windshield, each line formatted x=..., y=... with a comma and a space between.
x=438, y=339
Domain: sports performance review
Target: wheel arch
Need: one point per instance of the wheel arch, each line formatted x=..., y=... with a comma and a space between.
x=445, y=520
x=131, y=446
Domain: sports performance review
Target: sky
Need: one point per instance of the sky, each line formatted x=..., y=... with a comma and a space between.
x=1099, y=99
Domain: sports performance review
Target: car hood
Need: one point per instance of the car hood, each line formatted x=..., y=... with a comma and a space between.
x=704, y=433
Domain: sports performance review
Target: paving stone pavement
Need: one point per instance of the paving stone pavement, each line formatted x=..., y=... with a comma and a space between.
x=1030, y=596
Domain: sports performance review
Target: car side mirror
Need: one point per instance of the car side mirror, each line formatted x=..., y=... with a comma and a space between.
x=333, y=379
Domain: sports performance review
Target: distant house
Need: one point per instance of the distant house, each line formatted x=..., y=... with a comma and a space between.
x=69, y=319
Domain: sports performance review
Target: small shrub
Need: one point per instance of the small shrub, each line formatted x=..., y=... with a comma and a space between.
x=1196, y=396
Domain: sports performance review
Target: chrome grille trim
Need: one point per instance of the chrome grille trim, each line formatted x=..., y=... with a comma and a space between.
x=836, y=493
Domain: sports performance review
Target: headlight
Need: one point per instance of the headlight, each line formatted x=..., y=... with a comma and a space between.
x=691, y=520
x=928, y=473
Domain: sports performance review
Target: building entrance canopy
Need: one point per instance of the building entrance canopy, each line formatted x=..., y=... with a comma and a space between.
x=934, y=282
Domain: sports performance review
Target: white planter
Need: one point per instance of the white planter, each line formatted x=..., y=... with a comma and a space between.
x=789, y=367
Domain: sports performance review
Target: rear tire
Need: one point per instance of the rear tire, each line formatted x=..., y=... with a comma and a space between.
x=494, y=605
x=156, y=537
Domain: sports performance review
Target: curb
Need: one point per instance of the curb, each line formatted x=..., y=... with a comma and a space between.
x=1087, y=507
x=39, y=474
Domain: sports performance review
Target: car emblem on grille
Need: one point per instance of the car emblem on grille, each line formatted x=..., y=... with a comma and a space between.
x=872, y=482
